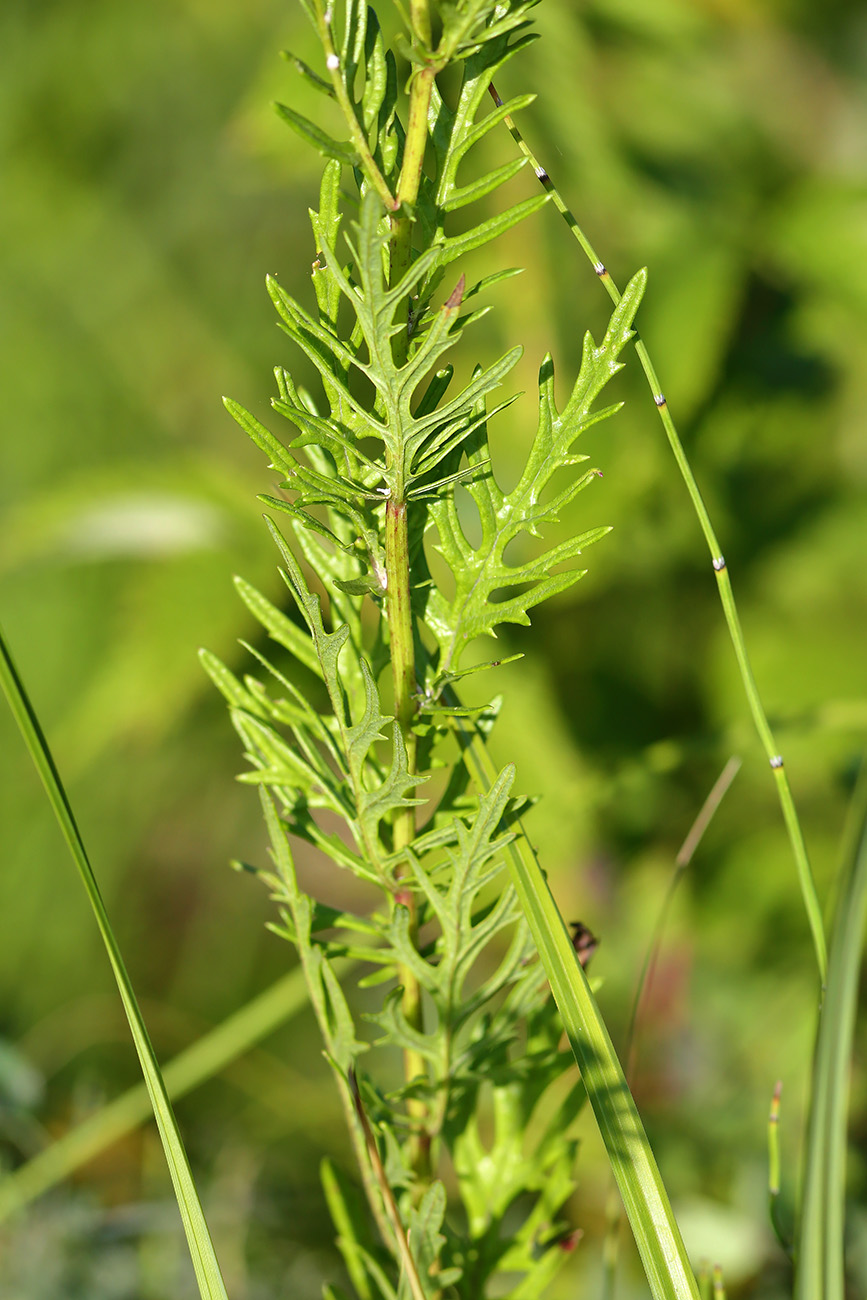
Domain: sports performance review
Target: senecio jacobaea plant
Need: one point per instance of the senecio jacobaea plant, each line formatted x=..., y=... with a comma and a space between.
x=467, y=938
x=460, y=1098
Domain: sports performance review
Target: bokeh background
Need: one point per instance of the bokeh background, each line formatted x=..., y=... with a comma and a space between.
x=147, y=189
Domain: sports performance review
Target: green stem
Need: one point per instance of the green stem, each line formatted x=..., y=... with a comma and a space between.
x=408, y=188
x=784, y=792
x=404, y=1251
x=399, y=605
x=419, y=18
x=400, y=619
x=400, y=624
x=774, y=1168
x=412, y=164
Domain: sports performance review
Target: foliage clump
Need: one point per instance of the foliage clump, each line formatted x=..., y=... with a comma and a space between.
x=376, y=478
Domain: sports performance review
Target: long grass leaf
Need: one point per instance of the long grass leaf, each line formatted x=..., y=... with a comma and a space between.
x=645, y=1199
x=207, y=1270
x=819, y=1261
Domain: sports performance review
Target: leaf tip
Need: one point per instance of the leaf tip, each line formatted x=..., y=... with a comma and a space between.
x=456, y=296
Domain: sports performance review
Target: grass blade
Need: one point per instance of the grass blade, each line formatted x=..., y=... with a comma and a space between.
x=819, y=1261
x=645, y=1200
x=201, y=1248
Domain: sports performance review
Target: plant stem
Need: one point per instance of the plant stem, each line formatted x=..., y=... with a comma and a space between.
x=401, y=1239
x=784, y=792
x=419, y=17
x=400, y=626
x=407, y=190
x=421, y=87
x=774, y=1168
x=402, y=646
x=399, y=605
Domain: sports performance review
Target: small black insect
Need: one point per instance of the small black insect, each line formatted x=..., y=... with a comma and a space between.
x=584, y=942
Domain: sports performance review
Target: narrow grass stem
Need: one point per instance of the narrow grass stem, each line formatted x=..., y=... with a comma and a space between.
x=684, y=858
x=207, y=1270
x=790, y=816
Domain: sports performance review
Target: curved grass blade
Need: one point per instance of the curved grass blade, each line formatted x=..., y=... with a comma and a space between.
x=819, y=1259
x=645, y=1200
x=682, y=862
x=207, y=1270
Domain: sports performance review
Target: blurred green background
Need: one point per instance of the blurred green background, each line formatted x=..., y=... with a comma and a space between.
x=147, y=189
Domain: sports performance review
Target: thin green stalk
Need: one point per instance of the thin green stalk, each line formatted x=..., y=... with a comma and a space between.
x=400, y=623
x=396, y=548
x=790, y=816
x=421, y=89
x=416, y=134
x=774, y=1168
x=704, y=1282
x=419, y=19
x=404, y=1250
x=645, y=1200
x=399, y=602
x=207, y=1270
x=684, y=857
